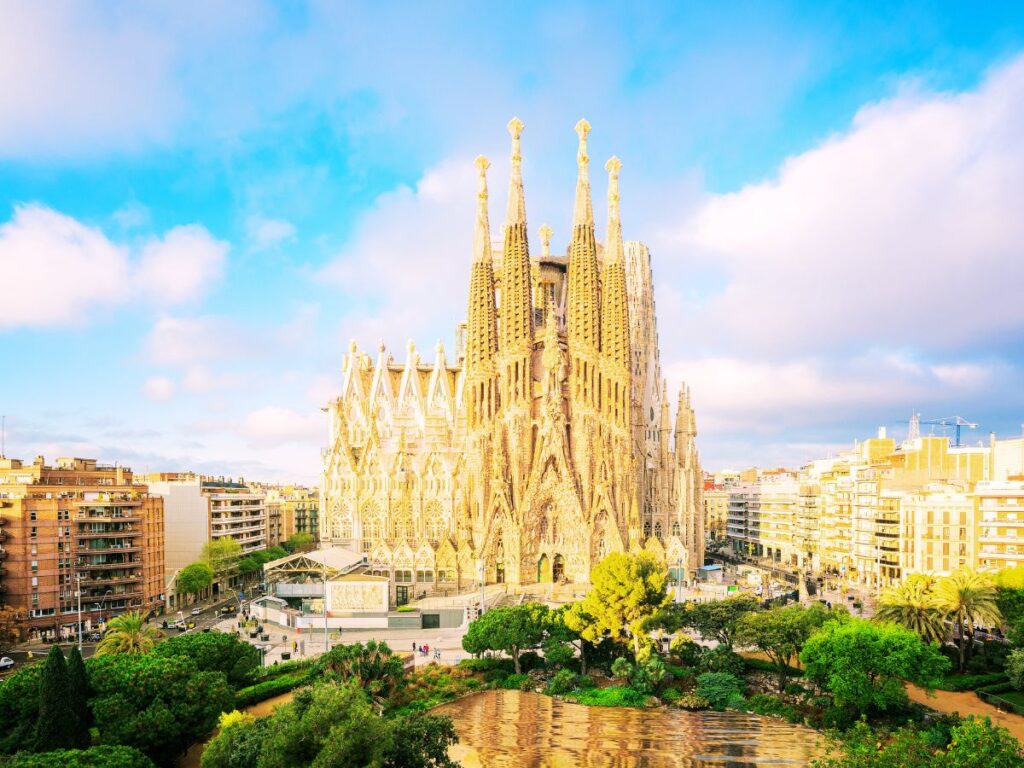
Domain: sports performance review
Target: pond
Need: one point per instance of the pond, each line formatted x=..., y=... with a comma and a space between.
x=513, y=729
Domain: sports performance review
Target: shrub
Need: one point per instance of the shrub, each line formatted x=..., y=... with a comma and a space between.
x=558, y=654
x=214, y=652
x=268, y=689
x=685, y=650
x=621, y=668
x=514, y=682
x=765, y=704
x=406, y=609
x=563, y=682
x=692, y=701
x=529, y=660
x=613, y=696
x=760, y=665
x=969, y=682
x=488, y=664
x=94, y=757
x=1015, y=668
x=721, y=659
x=718, y=688
x=671, y=695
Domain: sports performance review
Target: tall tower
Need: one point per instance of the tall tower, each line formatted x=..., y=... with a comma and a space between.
x=583, y=324
x=615, y=343
x=516, y=328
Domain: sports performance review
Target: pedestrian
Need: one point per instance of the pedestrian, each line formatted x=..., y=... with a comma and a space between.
x=414, y=646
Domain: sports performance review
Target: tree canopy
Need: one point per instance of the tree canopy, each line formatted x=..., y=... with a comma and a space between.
x=298, y=542
x=222, y=555
x=627, y=590
x=913, y=605
x=863, y=665
x=780, y=633
x=57, y=725
x=716, y=619
x=509, y=629
x=214, y=652
x=12, y=627
x=194, y=578
x=967, y=598
x=374, y=666
x=128, y=633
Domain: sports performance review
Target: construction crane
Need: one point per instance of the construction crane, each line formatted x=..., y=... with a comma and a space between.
x=951, y=421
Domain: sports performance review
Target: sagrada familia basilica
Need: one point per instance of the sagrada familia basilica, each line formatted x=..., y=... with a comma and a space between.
x=546, y=443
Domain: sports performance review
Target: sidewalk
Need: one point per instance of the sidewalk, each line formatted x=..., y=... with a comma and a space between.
x=967, y=703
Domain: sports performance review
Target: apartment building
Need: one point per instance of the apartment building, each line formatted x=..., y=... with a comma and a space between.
x=716, y=512
x=880, y=512
x=78, y=525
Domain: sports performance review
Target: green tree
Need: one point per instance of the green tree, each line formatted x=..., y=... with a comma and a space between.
x=78, y=694
x=718, y=688
x=566, y=625
x=626, y=592
x=979, y=743
x=509, y=629
x=421, y=741
x=128, y=633
x=1015, y=668
x=94, y=757
x=914, y=605
x=214, y=652
x=12, y=627
x=56, y=726
x=159, y=705
x=780, y=633
x=374, y=666
x=195, y=578
x=863, y=665
x=329, y=725
x=716, y=619
x=967, y=598
x=222, y=555
x=19, y=708
x=238, y=743
x=299, y=542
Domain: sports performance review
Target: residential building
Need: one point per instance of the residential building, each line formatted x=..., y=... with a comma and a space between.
x=999, y=523
x=79, y=525
x=716, y=511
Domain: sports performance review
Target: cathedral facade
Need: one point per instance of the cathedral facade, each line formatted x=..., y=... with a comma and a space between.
x=546, y=442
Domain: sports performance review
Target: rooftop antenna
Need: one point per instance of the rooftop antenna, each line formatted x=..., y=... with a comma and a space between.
x=914, y=430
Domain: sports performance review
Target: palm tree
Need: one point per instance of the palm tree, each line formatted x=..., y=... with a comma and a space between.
x=967, y=598
x=128, y=633
x=913, y=605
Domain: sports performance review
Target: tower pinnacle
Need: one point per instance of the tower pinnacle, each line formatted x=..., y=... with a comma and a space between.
x=583, y=212
x=516, y=213
x=614, y=244
x=482, y=233
x=545, y=240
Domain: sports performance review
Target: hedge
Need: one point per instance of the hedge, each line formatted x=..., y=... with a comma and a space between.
x=990, y=695
x=969, y=682
x=761, y=665
x=270, y=688
x=281, y=668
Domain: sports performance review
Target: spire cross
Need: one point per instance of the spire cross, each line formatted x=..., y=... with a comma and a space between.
x=515, y=129
x=582, y=129
x=482, y=235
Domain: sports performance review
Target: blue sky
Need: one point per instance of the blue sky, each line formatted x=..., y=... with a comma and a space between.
x=200, y=203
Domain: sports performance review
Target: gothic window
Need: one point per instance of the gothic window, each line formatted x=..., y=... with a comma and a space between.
x=373, y=524
x=657, y=530
x=647, y=529
x=602, y=548
x=436, y=524
x=403, y=523
x=675, y=528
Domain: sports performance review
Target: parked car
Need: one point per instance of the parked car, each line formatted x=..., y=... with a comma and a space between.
x=196, y=611
x=94, y=637
x=228, y=609
x=6, y=662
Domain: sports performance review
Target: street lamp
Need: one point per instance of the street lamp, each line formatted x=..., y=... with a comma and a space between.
x=480, y=573
x=78, y=591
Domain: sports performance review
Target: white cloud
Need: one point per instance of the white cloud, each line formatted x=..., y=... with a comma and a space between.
x=55, y=269
x=273, y=426
x=159, y=388
x=265, y=234
x=131, y=215
x=58, y=269
x=407, y=266
x=181, y=265
x=906, y=229
x=76, y=78
x=185, y=341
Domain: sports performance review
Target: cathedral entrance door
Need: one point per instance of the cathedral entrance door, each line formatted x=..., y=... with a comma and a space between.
x=499, y=573
x=543, y=570
x=401, y=595
x=558, y=569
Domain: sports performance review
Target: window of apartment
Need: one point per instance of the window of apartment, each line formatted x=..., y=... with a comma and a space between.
x=35, y=598
x=35, y=565
x=33, y=533
x=32, y=516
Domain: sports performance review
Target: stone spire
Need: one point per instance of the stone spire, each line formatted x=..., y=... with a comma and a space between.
x=583, y=211
x=583, y=313
x=482, y=317
x=516, y=325
x=516, y=212
x=615, y=348
x=545, y=233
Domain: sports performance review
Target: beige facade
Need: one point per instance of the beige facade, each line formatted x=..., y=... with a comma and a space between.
x=79, y=523
x=716, y=512
x=546, y=443
x=881, y=512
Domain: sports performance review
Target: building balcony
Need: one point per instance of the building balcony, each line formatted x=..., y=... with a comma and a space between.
x=93, y=584
x=110, y=566
x=86, y=551
x=112, y=534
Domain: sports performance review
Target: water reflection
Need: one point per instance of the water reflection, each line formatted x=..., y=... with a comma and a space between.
x=506, y=729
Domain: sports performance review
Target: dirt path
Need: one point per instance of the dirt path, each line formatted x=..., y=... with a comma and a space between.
x=966, y=703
